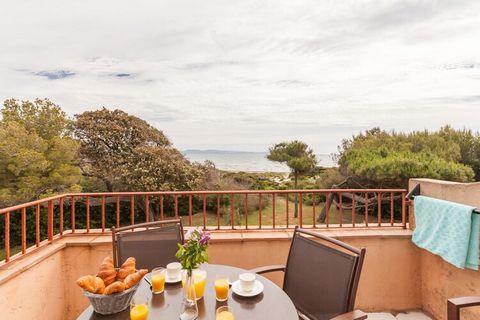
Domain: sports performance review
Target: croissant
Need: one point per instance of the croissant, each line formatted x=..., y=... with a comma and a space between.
x=87, y=283
x=134, y=278
x=128, y=267
x=107, y=271
x=99, y=285
x=91, y=284
x=117, y=286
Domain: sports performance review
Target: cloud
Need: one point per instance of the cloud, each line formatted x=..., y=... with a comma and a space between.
x=244, y=75
x=55, y=75
x=122, y=75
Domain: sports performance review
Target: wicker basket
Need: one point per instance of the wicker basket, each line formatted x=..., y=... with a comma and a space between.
x=111, y=303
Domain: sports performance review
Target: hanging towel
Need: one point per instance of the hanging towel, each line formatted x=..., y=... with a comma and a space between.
x=450, y=230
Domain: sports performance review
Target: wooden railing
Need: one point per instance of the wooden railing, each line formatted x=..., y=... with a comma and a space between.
x=55, y=216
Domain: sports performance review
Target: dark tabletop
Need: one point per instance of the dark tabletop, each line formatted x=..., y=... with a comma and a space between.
x=272, y=303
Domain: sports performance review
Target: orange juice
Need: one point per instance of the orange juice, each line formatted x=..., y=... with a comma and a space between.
x=221, y=289
x=158, y=282
x=225, y=315
x=139, y=312
x=199, y=280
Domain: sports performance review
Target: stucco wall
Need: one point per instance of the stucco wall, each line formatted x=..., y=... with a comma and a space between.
x=389, y=280
x=440, y=280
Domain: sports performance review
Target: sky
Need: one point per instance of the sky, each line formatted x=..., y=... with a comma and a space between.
x=243, y=75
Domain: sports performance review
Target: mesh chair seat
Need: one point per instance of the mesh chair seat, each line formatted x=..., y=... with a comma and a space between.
x=322, y=278
x=153, y=246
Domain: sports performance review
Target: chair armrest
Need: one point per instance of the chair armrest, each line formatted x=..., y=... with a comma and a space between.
x=353, y=315
x=455, y=304
x=266, y=269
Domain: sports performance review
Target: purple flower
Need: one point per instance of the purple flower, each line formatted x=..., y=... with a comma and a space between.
x=204, y=238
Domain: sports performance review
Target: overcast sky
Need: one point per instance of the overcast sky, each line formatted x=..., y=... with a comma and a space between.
x=242, y=75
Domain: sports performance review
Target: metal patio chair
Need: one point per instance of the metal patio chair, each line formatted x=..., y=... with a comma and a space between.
x=321, y=277
x=153, y=244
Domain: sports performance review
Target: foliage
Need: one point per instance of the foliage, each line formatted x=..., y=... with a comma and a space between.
x=41, y=116
x=194, y=251
x=469, y=144
x=329, y=178
x=384, y=159
x=298, y=157
x=37, y=155
x=126, y=153
x=223, y=180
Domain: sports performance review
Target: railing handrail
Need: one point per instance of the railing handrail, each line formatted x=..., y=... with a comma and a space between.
x=196, y=192
x=221, y=213
x=32, y=203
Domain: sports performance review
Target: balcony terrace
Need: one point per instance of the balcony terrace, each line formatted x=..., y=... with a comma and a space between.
x=39, y=273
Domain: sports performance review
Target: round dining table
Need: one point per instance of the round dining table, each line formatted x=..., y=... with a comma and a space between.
x=272, y=303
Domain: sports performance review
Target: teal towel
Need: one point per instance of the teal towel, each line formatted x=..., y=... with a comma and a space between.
x=450, y=230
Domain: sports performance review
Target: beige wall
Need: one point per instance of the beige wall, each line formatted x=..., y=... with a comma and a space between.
x=80, y=260
x=389, y=279
x=35, y=291
x=440, y=280
x=396, y=276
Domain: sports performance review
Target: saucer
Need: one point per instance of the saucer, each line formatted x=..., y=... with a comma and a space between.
x=173, y=280
x=257, y=289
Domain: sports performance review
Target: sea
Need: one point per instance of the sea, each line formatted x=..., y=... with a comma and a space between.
x=246, y=161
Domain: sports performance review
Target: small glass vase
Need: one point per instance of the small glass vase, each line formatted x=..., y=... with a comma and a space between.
x=189, y=303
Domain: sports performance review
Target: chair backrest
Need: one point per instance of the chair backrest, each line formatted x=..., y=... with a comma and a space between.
x=322, y=275
x=153, y=244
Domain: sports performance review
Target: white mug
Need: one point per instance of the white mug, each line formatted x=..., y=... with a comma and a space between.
x=247, y=281
x=173, y=270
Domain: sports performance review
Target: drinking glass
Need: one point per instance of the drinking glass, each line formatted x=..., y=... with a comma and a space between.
x=199, y=277
x=158, y=280
x=224, y=313
x=221, y=287
x=139, y=308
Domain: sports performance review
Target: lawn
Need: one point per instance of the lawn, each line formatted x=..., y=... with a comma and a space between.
x=281, y=217
x=13, y=250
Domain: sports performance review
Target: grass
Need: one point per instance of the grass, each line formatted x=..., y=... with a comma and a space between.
x=281, y=216
x=13, y=250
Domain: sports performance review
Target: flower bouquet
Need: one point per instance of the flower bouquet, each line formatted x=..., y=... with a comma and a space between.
x=191, y=255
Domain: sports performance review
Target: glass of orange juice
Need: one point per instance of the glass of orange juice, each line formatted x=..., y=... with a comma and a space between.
x=199, y=280
x=158, y=280
x=139, y=308
x=224, y=313
x=221, y=287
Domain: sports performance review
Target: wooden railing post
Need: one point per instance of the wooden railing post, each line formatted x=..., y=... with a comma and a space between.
x=50, y=221
x=73, y=214
x=7, y=236
x=205, y=219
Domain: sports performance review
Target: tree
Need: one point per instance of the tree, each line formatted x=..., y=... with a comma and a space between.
x=469, y=144
x=381, y=159
x=37, y=155
x=42, y=117
x=298, y=157
x=109, y=141
x=127, y=153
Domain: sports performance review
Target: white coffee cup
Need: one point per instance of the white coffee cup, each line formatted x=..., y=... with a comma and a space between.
x=173, y=270
x=247, y=281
